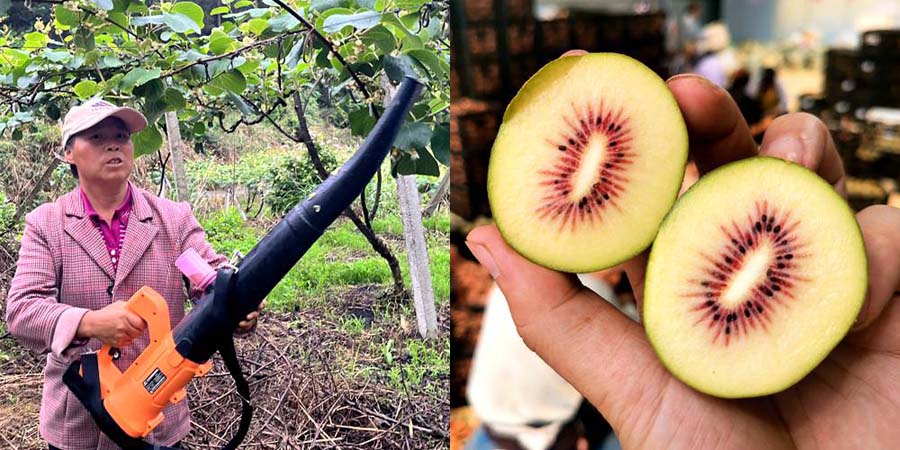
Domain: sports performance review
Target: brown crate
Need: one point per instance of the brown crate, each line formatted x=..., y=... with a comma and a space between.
x=644, y=26
x=455, y=83
x=612, y=31
x=520, y=38
x=482, y=40
x=455, y=140
x=459, y=201
x=521, y=69
x=479, y=9
x=554, y=34
x=586, y=33
x=478, y=130
x=517, y=9
x=486, y=79
x=457, y=170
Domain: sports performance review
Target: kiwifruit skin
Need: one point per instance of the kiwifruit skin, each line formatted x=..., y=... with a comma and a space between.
x=711, y=177
x=522, y=98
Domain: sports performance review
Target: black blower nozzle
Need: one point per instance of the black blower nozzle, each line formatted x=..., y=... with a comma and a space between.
x=234, y=295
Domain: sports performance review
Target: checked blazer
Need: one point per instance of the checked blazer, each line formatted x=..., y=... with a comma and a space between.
x=64, y=265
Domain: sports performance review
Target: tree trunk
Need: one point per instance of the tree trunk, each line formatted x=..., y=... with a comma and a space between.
x=173, y=130
x=439, y=196
x=377, y=243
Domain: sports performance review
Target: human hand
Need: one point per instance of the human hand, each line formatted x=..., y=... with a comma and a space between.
x=848, y=401
x=248, y=325
x=114, y=325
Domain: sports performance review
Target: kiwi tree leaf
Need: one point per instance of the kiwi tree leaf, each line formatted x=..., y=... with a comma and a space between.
x=396, y=67
x=381, y=38
x=428, y=59
x=240, y=103
x=85, y=89
x=440, y=143
x=105, y=5
x=324, y=5
x=283, y=22
x=191, y=10
x=137, y=77
x=150, y=90
x=174, y=99
x=359, y=21
x=148, y=20
x=361, y=122
x=65, y=16
x=257, y=26
x=219, y=10
x=416, y=135
x=221, y=43
x=231, y=81
x=180, y=23
x=148, y=140
x=418, y=163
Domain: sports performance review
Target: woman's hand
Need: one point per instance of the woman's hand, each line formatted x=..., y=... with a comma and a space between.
x=249, y=324
x=114, y=325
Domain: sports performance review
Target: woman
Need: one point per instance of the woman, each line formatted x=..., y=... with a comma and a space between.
x=84, y=255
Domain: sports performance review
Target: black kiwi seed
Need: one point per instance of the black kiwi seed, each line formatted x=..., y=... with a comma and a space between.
x=611, y=126
x=767, y=291
x=788, y=256
x=709, y=302
x=613, y=144
x=769, y=227
x=728, y=259
x=729, y=318
x=758, y=226
x=781, y=265
x=777, y=228
x=618, y=127
x=727, y=330
x=759, y=308
x=742, y=249
x=778, y=257
x=606, y=196
x=562, y=148
x=704, y=283
x=715, y=307
x=747, y=312
x=734, y=241
x=571, y=141
x=599, y=121
x=608, y=165
x=708, y=295
x=749, y=242
x=764, y=218
x=716, y=317
x=776, y=287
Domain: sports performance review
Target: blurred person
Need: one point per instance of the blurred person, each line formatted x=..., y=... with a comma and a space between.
x=750, y=108
x=682, y=34
x=716, y=61
x=523, y=404
x=770, y=94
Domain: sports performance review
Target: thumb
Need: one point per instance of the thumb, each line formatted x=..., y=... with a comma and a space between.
x=601, y=352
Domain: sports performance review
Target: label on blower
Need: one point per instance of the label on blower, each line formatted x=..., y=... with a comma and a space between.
x=154, y=381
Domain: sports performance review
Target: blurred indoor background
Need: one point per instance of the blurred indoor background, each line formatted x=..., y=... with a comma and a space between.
x=836, y=59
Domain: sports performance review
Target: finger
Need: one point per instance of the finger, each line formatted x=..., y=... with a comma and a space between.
x=252, y=316
x=575, y=52
x=244, y=324
x=880, y=227
x=586, y=340
x=135, y=321
x=804, y=139
x=261, y=305
x=717, y=132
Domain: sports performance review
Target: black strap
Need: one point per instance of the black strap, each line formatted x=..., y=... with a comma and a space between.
x=229, y=357
x=87, y=389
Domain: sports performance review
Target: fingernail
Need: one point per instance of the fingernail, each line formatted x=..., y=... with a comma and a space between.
x=858, y=324
x=789, y=148
x=483, y=255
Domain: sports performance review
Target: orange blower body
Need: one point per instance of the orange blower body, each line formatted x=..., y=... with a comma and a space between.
x=136, y=398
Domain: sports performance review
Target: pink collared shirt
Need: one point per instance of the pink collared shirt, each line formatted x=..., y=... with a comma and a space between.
x=113, y=232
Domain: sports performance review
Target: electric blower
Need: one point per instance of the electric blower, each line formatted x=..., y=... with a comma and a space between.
x=128, y=405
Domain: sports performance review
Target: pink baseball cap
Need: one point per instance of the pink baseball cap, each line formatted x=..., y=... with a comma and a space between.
x=91, y=112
